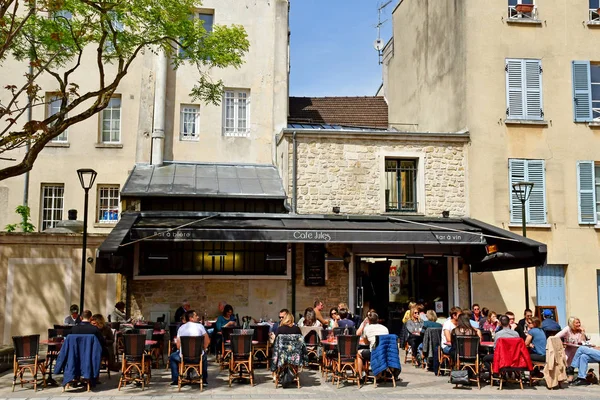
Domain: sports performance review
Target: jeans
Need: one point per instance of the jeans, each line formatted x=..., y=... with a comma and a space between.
x=174, y=360
x=581, y=359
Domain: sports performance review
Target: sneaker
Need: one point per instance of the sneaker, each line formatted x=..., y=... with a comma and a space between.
x=174, y=383
x=570, y=371
x=580, y=382
x=204, y=383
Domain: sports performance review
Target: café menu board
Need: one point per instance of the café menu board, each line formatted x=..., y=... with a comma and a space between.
x=314, y=264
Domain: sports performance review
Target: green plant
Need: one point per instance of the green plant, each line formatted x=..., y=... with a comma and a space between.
x=25, y=225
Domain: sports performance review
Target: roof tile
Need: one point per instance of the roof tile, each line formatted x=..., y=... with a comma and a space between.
x=366, y=111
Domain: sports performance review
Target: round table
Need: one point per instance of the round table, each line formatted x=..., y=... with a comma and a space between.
x=55, y=346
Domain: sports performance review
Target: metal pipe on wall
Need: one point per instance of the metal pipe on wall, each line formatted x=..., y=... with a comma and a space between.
x=294, y=174
x=160, y=99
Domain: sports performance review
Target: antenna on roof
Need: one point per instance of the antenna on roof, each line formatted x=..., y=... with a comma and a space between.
x=379, y=44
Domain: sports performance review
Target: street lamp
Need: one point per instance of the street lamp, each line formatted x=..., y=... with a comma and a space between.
x=87, y=177
x=523, y=190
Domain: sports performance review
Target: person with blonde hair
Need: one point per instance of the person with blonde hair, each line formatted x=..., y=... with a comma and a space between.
x=574, y=334
x=431, y=320
x=407, y=314
x=287, y=327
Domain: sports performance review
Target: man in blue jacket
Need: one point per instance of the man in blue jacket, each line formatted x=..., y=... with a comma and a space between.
x=85, y=328
x=549, y=324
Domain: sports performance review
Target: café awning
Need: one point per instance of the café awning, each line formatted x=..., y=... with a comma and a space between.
x=467, y=237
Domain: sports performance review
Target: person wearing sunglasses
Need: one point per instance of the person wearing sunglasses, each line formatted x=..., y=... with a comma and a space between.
x=476, y=314
x=414, y=326
x=333, y=318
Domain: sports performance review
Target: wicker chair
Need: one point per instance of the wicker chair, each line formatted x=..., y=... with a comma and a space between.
x=226, y=332
x=261, y=335
x=445, y=362
x=467, y=355
x=135, y=364
x=289, y=353
x=26, y=358
x=191, y=360
x=240, y=361
x=347, y=360
x=312, y=346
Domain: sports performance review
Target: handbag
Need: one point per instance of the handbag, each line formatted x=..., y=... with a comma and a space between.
x=459, y=377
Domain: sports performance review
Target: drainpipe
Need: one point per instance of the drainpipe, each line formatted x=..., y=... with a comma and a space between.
x=294, y=174
x=160, y=98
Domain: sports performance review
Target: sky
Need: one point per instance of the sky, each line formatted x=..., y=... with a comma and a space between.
x=331, y=49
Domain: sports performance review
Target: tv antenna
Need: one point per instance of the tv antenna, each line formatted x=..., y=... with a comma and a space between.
x=379, y=44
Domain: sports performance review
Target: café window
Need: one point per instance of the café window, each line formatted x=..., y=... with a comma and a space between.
x=401, y=185
x=212, y=258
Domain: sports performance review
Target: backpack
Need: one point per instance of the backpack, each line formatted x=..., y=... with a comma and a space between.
x=286, y=377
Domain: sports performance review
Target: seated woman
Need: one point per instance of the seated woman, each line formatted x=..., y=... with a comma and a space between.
x=333, y=318
x=287, y=327
x=227, y=319
x=108, y=350
x=309, y=318
x=536, y=340
x=573, y=333
x=464, y=328
x=491, y=323
x=414, y=326
x=431, y=320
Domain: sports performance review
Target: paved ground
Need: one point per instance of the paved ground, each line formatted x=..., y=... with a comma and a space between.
x=415, y=384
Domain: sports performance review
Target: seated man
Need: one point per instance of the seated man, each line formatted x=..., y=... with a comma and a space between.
x=504, y=332
x=582, y=358
x=185, y=306
x=345, y=321
x=118, y=314
x=85, y=327
x=549, y=324
x=191, y=328
x=370, y=331
x=73, y=318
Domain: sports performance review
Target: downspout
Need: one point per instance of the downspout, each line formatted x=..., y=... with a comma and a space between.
x=294, y=174
x=160, y=98
x=294, y=278
x=29, y=118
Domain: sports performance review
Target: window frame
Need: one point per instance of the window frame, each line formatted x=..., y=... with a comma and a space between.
x=100, y=209
x=110, y=131
x=51, y=99
x=514, y=15
x=594, y=15
x=53, y=209
x=235, y=130
x=182, y=112
x=197, y=14
x=398, y=179
x=525, y=90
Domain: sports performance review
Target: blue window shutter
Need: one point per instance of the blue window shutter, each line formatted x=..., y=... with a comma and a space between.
x=582, y=91
x=533, y=89
x=586, y=192
x=514, y=89
x=536, y=206
x=516, y=172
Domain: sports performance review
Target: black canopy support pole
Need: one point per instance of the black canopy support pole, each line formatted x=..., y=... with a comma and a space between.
x=293, y=278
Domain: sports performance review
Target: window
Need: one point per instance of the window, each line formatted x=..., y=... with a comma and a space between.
x=53, y=104
x=52, y=205
x=586, y=91
x=524, y=89
x=190, y=122
x=522, y=9
x=108, y=204
x=111, y=121
x=212, y=258
x=533, y=171
x=400, y=185
x=594, y=8
x=236, y=113
x=588, y=191
x=207, y=19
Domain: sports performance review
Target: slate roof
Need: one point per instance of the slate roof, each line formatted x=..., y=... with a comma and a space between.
x=205, y=180
x=366, y=111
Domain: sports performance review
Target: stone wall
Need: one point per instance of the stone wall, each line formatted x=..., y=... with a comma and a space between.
x=336, y=285
x=347, y=172
x=254, y=297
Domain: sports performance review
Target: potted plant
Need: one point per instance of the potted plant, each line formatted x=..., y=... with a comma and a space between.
x=524, y=8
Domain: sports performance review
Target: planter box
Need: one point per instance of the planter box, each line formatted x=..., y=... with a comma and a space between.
x=524, y=8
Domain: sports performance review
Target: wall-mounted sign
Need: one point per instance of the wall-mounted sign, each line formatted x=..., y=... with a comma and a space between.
x=314, y=264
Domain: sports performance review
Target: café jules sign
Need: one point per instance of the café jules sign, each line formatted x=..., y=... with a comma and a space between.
x=308, y=236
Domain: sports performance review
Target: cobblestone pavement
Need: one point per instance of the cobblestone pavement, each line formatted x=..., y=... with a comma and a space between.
x=414, y=384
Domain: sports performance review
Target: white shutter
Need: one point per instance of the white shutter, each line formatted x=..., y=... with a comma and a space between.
x=516, y=172
x=582, y=91
x=533, y=89
x=586, y=192
x=514, y=89
x=536, y=206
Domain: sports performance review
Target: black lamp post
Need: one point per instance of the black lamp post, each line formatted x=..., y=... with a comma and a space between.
x=523, y=190
x=87, y=177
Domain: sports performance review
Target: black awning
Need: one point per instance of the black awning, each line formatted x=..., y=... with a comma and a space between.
x=465, y=235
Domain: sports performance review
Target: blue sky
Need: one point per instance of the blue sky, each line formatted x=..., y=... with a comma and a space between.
x=331, y=47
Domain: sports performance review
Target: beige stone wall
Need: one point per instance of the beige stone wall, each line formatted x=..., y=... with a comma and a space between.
x=349, y=173
x=336, y=285
x=252, y=297
x=40, y=277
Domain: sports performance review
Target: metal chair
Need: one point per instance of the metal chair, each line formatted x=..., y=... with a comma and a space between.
x=240, y=361
x=467, y=355
x=135, y=364
x=26, y=358
x=347, y=360
x=261, y=335
x=191, y=360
